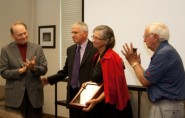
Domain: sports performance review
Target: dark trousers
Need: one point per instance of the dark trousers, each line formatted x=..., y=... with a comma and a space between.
x=75, y=112
x=104, y=110
x=26, y=109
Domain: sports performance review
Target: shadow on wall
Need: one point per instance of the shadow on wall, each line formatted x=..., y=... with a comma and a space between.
x=145, y=104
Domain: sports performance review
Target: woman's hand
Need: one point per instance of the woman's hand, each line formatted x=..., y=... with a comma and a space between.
x=85, y=83
x=90, y=105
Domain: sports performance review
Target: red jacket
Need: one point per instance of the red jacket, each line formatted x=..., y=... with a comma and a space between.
x=115, y=87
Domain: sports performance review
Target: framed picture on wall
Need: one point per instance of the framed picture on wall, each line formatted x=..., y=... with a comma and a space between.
x=47, y=36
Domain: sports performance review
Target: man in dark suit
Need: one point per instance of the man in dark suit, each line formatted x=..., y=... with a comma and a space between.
x=21, y=64
x=79, y=33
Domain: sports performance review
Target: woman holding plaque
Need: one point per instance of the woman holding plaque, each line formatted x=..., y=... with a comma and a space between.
x=108, y=69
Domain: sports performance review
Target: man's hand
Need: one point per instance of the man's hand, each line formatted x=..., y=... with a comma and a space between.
x=23, y=70
x=30, y=64
x=44, y=81
x=131, y=55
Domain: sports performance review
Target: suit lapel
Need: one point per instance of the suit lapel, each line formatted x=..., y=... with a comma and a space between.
x=72, y=54
x=16, y=53
x=87, y=52
x=29, y=53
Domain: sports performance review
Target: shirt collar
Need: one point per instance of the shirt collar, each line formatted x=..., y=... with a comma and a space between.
x=83, y=46
x=161, y=46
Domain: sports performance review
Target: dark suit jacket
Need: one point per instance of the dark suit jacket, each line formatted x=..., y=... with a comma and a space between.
x=85, y=67
x=16, y=84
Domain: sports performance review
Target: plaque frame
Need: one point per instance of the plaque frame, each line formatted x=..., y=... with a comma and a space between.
x=88, y=92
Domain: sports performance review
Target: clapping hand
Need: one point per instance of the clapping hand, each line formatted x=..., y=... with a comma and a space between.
x=130, y=54
x=30, y=64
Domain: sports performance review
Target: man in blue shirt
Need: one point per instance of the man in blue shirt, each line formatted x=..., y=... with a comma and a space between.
x=165, y=76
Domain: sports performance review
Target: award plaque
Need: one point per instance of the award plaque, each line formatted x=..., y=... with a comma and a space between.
x=90, y=91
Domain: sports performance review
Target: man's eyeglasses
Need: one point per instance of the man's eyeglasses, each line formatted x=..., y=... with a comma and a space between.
x=147, y=35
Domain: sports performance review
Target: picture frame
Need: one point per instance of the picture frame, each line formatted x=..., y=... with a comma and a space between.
x=47, y=36
x=90, y=91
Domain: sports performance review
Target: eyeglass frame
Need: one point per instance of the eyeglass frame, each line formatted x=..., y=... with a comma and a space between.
x=147, y=35
x=96, y=38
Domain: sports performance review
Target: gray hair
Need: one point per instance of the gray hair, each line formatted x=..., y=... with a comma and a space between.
x=83, y=26
x=106, y=34
x=160, y=29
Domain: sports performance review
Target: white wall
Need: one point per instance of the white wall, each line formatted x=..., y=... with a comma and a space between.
x=36, y=13
x=128, y=19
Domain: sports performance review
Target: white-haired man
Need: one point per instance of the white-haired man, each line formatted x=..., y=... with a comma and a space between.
x=165, y=75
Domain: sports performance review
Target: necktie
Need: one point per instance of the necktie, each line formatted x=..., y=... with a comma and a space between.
x=76, y=67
